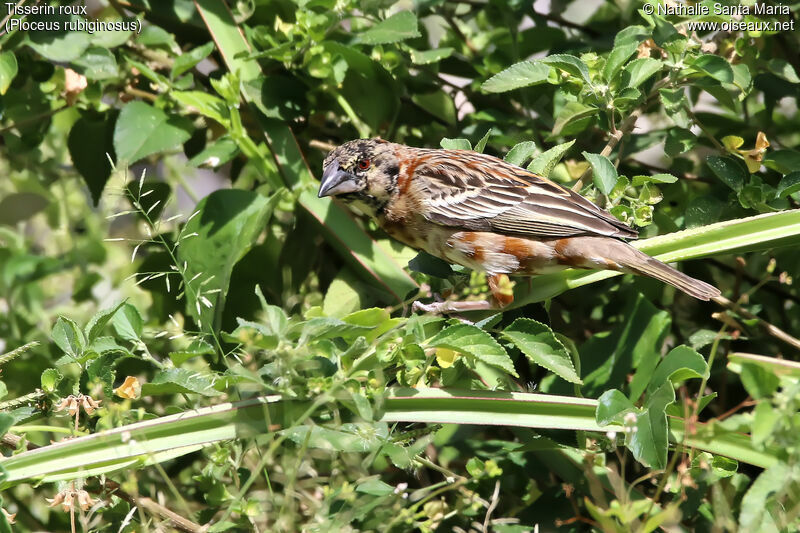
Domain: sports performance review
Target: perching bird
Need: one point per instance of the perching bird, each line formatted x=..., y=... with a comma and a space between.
x=486, y=214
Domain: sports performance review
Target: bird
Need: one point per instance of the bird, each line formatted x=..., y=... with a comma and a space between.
x=486, y=214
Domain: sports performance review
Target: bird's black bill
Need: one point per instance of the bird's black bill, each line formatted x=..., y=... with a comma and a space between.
x=336, y=181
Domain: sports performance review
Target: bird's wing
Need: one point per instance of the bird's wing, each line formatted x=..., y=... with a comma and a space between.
x=483, y=193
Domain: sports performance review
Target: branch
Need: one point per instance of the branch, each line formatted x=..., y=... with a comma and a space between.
x=769, y=328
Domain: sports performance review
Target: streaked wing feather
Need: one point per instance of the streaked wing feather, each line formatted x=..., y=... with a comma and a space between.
x=487, y=194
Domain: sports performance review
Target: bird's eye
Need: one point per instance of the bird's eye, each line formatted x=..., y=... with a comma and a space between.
x=363, y=164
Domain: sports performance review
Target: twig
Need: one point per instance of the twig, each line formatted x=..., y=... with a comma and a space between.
x=321, y=145
x=492, y=505
x=459, y=33
x=769, y=328
x=566, y=23
x=35, y=118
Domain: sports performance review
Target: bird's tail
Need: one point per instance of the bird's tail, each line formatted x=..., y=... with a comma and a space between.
x=645, y=265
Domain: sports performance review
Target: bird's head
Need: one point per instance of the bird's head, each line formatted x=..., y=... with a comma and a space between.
x=362, y=173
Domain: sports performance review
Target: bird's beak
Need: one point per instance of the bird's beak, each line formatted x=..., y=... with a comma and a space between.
x=336, y=181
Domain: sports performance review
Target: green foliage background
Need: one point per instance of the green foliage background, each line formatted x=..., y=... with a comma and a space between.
x=594, y=403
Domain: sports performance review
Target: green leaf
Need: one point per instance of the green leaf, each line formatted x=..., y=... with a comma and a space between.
x=226, y=225
x=128, y=322
x=714, y=66
x=612, y=406
x=481, y=145
x=783, y=69
x=638, y=181
x=522, y=74
x=59, y=45
x=472, y=341
x=618, y=56
x=97, y=63
x=455, y=144
x=679, y=141
x=665, y=33
x=50, y=379
x=438, y=103
x=89, y=140
x=680, y=364
x=216, y=154
x=69, y=337
x=188, y=60
x=759, y=382
x=142, y=129
x=573, y=118
x=650, y=441
x=180, y=381
x=639, y=71
x=520, y=153
x=729, y=171
x=544, y=163
x=540, y=345
x=783, y=161
x=755, y=512
x=789, y=184
x=206, y=104
x=569, y=64
x=195, y=348
x=19, y=206
x=426, y=57
x=375, y=487
x=398, y=27
x=8, y=70
x=341, y=298
x=99, y=321
x=604, y=174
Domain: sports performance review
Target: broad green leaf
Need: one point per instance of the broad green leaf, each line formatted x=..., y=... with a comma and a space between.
x=472, y=341
x=19, y=206
x=128, y=322
x=50, y=379
x=520, y=153
x=680, y=364
x=341, y=298
x=665, y=33
x=522, y=74
x=398, y=27
x=604, y=174
x=650, y=441
x=714, y=66
x=639, y=71
x=618, y=56
x=196, y=348
x=89, y=140
x=612, y=406
x=569, y=64
x=541, y=346
x=375, y=487
x=97, y=63
x=638, y=181
x=783, y=161
x=455, y=144
x=142, y=129
x=573, y=118
x=69, y=337
x=188, y=60
x=438, y=103
x=206, y=104
x=544, y=163
x=481, y=144
x=8, y=70
x=216, y=153
x=783, y=69
x=729, y=171
x=789, y=184
x=426, y=57
x=59, y=45
x=328, y=328
x=759, y=382
x=755, y=512
x=99, y=321
x=226, y=226
x=679, y=141
x=180, y=381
